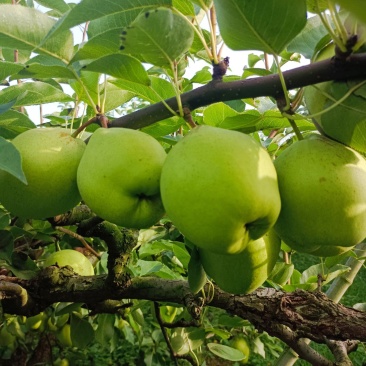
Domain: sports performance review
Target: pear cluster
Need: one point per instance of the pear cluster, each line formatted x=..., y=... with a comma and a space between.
x=219, y=187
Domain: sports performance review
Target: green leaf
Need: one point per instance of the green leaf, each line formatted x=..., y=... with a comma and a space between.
x=148, y=268
x=360, y=306
x=44, y=67
x=305, y=42
x=355, y=7
x=216, y=113
x=254, y=25
x=33, y=93
x=12, y=123
x=281, y=273
x=4, y=222
x=158, y=247
x=58, y=5
x=24, y=28
x=311, y=274
x=255, y=71
x=102, y=44
x=10, y=160
x=164, y=127
x=196, y=274
x=252, y=121
x=88, y=10
x=226, y=352
x=159, y=89
x=6, y=107
x=232, y=321
x=87, y=86
x=67, y=308
x=184, y=340
x=8, y=55
x=184, y=6
x=82, y=332
x=314, y=6
x=6, y=244
x=115, y=97
x=9, y=68
x=106, y=330
x=22, y=266
x=158, y=36
x=121, y=67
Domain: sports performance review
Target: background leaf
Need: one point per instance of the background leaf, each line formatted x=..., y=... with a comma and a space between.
x=82, y=332
x=12, y=123
x=356, y=7
x=10, y=160
x=9, y=68
x=25, y=28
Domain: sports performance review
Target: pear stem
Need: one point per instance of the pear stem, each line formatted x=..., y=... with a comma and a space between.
x=80, y=238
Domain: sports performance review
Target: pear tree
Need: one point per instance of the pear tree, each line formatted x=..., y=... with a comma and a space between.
x=182, y=182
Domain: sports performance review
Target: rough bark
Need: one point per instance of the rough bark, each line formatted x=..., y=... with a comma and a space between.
x=303, y=314
x=218, y=91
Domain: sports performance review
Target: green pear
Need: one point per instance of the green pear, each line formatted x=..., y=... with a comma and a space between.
x=323, y=193
x=345, y=122
x=119, y=177
x=219, y=187
x=50, y=158
x=69, y=257
x=244, y=272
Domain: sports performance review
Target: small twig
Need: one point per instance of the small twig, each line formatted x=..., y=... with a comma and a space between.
x=220, y=69
x=188, y=117
x=80, y=238
x=84, y=126
x=77, y=215
x=341, y=350
x=7, y=288
x=266, y=61
x=173, y=354
x=301, y=347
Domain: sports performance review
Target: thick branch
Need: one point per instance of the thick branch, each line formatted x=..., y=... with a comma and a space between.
x=217, y=91
x=306, y=314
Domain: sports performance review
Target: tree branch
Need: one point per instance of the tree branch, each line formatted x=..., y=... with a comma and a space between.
x=218, y=91
x=306, y=314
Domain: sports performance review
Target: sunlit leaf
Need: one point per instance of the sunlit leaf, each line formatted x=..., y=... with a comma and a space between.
x=158, y=36
x=88, y=10
x=44, y=67
x=33, y=93
x=115, y=97
x=159, y=89
x=58, y=5
x=226, y=352
x=254, y=25
x=121, y=67
x=25, y=28
x=216, y=113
